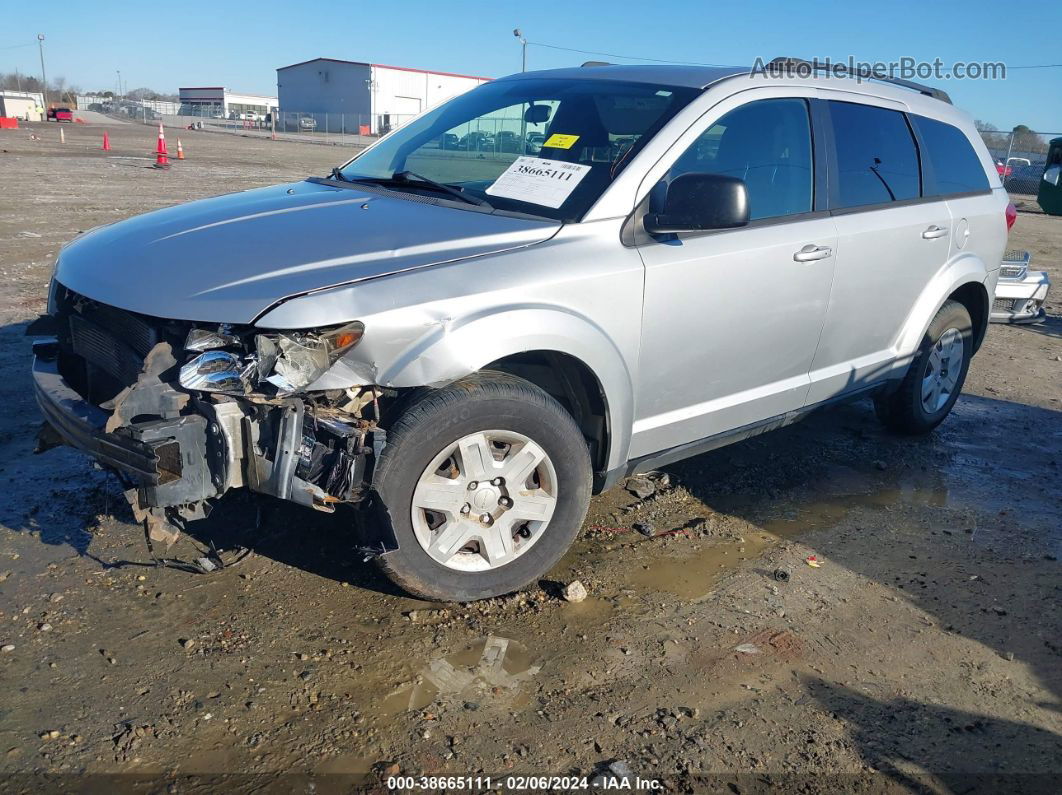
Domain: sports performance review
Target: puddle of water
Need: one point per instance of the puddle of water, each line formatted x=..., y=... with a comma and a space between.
x=830, y=512
x=692, y=576
x=490, y=672
x=346, y=764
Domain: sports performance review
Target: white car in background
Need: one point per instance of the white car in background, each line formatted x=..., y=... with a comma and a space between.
x=1020, y=292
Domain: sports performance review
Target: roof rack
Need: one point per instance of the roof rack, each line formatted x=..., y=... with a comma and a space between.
x=778, y=64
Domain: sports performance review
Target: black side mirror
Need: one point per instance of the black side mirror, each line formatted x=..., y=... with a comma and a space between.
x=699, y=202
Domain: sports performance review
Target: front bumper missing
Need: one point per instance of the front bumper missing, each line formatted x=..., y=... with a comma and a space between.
x=191, y=452
x=164, y=459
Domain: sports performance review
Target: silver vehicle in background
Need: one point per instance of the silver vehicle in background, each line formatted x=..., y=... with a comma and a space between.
x=1020, y=292
x=468, y=342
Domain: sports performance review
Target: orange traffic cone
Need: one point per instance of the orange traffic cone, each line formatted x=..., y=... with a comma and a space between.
x=106, y=142
x=161, y=158
x=180, y=150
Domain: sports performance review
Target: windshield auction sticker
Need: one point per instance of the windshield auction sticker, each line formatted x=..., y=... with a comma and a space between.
x=560, y=141
x=539, y=181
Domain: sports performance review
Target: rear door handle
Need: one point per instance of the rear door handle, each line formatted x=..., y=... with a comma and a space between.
x=933, y=232
x=812, y=252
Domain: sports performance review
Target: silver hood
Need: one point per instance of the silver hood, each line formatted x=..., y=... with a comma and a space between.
x=230, y=258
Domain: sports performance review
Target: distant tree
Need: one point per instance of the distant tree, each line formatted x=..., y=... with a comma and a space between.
x=1027, y=141
x=996, y=141
x=19, y=82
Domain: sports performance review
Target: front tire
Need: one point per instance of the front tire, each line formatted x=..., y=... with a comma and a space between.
x=936, y=376
x=485, y=484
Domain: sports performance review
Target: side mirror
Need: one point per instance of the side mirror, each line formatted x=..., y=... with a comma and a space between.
x=700, y=202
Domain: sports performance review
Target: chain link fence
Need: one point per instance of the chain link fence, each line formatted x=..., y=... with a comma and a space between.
x=1021, y=160
x=502, y=136
x=351, y=129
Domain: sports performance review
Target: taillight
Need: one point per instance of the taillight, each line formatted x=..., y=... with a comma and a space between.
x=1012, y=215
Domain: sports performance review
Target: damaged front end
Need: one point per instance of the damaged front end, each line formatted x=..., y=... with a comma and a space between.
x=184, y=412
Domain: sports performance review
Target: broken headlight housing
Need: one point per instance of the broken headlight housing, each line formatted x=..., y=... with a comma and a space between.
x=288, y=361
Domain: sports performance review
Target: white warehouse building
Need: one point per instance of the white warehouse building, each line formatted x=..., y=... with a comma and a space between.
x=220, y=102
x=352, y=96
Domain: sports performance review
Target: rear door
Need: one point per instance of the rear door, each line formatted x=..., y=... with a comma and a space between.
x=954, y=171
x=891, y=240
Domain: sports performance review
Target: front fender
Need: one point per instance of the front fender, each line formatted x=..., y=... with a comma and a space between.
x=443, y=349
x=965, y=269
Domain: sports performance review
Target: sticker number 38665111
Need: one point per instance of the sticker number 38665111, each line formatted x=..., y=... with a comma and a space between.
x=539, y=181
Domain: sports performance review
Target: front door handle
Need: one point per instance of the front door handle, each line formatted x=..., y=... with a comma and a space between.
x=933, y=232
x=812, y=252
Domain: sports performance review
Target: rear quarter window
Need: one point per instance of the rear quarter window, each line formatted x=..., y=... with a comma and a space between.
x=954, y=166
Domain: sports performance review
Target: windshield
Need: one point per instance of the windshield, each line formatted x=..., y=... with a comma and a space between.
x=546, y=147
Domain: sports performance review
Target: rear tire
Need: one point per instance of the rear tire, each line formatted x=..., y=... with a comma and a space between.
x=936, y=376
x=465, y=471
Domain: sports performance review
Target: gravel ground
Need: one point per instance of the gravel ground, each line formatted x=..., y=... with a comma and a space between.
x=924, y=652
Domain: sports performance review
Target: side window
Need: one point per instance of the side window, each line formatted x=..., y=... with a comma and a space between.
x=767, y=143
x=956, y=167
x=876, y=157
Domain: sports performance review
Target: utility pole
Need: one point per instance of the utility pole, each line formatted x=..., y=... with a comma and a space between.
x=44, y=75
x=523, y=42
x=523, y=68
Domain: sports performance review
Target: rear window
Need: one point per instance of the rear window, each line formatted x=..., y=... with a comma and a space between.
x=955, y=167
x=877, y=161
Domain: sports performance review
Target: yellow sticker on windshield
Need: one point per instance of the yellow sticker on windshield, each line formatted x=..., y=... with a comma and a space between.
x=561, y=141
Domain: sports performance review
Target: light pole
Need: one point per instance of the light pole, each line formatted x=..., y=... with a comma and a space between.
x=44, y=75
x=119, y=72
x=523, y=42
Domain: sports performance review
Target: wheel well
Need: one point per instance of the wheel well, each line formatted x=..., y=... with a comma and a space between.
x=974, y=297
x=572, y=384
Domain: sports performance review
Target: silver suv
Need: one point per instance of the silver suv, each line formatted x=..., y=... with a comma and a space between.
x=468, y=342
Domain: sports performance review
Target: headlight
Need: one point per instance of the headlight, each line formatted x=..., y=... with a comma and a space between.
x=290, y=361
x=218, y=371
x=298, y=359
x=202, y=339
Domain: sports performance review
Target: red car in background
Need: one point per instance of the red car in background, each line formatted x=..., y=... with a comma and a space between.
x=60, y=114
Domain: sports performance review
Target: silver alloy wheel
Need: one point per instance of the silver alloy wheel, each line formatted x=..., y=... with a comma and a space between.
x=942, y=370
x=484, y=500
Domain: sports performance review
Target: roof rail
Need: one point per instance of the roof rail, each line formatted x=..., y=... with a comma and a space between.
x=786, y=63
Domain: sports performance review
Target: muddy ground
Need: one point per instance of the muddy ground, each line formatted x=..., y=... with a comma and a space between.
x=926, y=650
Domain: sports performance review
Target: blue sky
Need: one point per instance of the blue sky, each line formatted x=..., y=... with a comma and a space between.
x=239, y=44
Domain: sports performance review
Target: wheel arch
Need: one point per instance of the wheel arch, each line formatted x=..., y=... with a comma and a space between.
x=963, y=280
x=565, y=354
x=974, y=297
x=572, y=383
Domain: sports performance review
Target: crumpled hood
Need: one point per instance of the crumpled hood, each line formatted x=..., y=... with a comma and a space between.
x=229, y=258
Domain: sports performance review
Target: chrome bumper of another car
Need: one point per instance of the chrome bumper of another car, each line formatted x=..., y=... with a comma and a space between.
x=1020, y=293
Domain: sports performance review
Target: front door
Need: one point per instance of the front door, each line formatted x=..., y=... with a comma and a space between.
x=731, y=319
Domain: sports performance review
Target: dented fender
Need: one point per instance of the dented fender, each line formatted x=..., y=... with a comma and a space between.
x=418, y=347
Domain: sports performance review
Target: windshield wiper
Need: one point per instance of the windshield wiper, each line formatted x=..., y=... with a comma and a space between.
x=338, y=175
x=410, y=178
